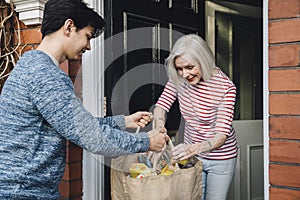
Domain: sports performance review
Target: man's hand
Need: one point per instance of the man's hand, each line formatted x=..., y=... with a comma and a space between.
x=138, y=119
x=158, y=138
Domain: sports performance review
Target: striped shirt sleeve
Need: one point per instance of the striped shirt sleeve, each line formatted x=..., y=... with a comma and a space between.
x=168, y=97
x=225, y=112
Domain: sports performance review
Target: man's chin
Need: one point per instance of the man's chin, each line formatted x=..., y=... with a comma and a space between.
x=78, y=57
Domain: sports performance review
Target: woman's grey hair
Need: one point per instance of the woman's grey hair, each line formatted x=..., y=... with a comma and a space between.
x=194, y=47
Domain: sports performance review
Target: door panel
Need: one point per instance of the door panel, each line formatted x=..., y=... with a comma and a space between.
x=248, y=181
x=144, y=51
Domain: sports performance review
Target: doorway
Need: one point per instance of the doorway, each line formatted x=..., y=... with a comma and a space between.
x=239, y=53
x=139, y=40
x=234, y=33
x=146, y=24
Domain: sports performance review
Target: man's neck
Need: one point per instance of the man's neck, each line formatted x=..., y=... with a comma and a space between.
x=52, y=46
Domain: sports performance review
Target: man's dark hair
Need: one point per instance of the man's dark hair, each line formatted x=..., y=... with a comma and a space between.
x=56, y=12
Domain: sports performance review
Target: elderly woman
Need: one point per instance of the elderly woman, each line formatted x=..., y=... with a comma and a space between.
x=206, y=98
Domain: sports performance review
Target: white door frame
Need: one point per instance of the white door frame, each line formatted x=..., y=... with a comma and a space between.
x=93, y=98
x=266, y=96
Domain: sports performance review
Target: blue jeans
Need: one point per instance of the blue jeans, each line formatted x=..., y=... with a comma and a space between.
x=217, y=176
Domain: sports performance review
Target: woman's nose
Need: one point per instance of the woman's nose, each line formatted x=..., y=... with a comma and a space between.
x=185, y=73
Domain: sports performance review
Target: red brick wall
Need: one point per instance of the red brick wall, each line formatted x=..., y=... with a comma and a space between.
x=71, y=184
x=284, y=99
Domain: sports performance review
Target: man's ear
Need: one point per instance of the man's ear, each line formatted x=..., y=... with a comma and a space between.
x=68, y=27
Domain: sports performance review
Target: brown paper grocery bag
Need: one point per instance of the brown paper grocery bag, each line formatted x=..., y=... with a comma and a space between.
x=184, y=184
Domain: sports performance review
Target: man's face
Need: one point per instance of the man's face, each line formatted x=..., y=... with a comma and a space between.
x=79, y=42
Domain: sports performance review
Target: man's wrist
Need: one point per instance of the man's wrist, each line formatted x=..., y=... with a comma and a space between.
x=127, y=120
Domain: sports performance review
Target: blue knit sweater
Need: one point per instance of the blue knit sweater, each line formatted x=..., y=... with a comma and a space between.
x=38, y=112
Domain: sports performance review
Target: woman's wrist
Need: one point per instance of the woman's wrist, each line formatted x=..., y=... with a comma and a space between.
x=159, y=122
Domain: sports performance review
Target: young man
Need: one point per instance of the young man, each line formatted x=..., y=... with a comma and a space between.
x=39, y=110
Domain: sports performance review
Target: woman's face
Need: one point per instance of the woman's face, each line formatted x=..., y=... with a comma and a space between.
x=188, y=69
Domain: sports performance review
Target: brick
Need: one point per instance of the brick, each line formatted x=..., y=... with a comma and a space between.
x=284, y=80
x=71, y=144
x=73, y=171
x=65, y=66
x=288, y=104
x=284, y=55
x=70, y=186
x=284, y=9
x=285, y=127
x=75, y=73
x=75, y=68
x=74, y=154
x=71, y=198
x=31, y=36
x=284, y=175
x=284, y=194
x=21, y=24
x=77, y=82
x=284, y=31
x=24, y=48
x=70, y=189
x=280, y=151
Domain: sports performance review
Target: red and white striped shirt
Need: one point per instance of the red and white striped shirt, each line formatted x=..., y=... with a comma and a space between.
x=207, y=109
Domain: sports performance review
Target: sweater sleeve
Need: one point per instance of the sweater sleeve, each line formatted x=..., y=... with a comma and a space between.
x=117, y=121
x=53, y=95
x=168, y=97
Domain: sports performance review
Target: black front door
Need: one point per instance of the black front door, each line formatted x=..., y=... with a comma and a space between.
x=139, y=35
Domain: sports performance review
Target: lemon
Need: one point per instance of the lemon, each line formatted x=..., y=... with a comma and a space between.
x=139, y=168
x=167, y=171
x=183, y=162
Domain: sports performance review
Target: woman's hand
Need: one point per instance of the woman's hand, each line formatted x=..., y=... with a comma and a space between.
x=185, y=151
x=159, y=117
x=138, y=119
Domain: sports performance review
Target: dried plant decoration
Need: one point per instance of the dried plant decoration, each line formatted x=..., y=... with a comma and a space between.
x=10, y=37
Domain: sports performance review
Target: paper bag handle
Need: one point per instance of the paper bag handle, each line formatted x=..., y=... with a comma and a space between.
x=156, y=153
